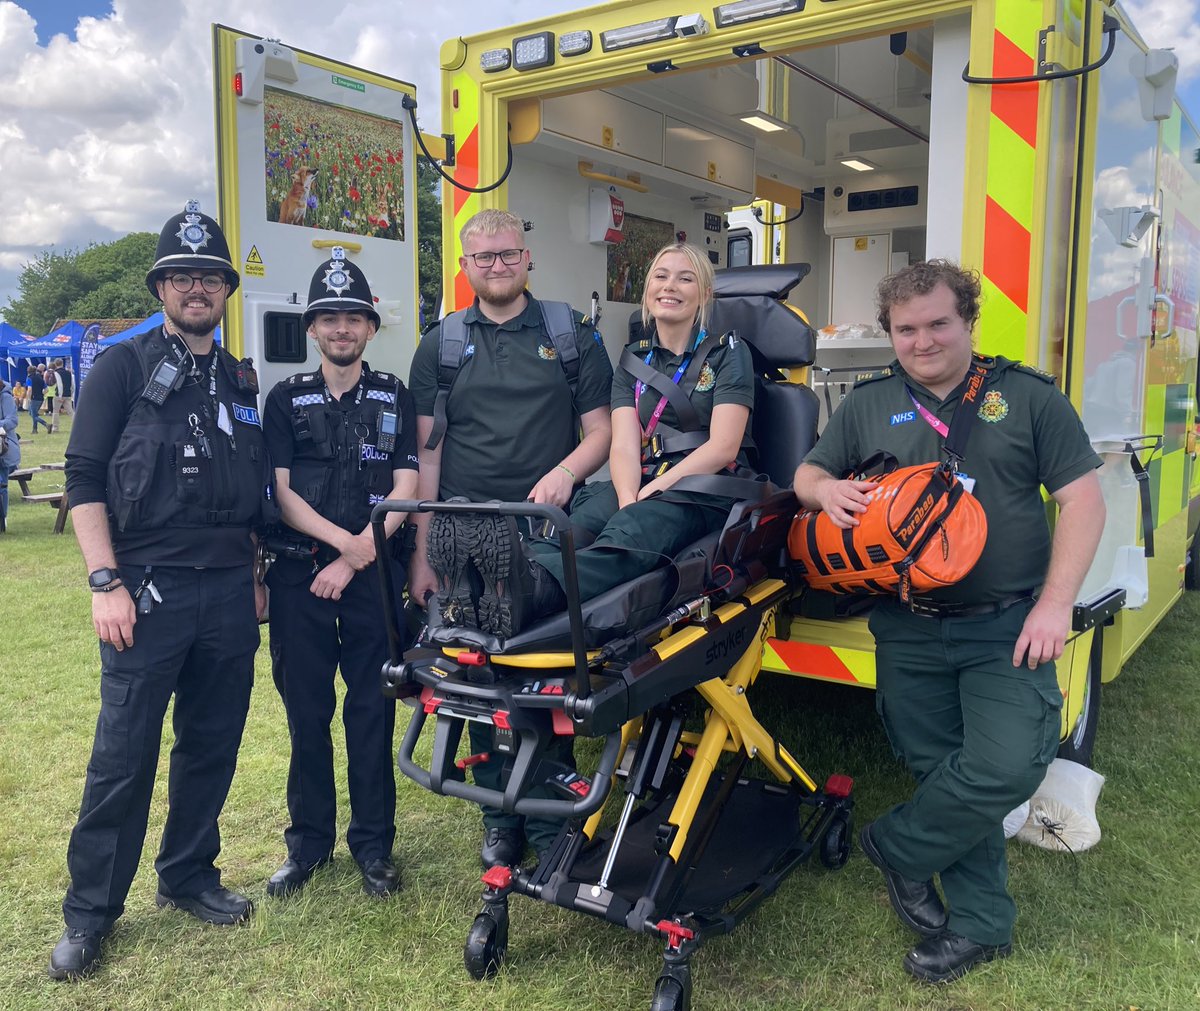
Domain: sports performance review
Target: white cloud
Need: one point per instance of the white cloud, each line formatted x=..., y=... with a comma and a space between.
x=111, y=130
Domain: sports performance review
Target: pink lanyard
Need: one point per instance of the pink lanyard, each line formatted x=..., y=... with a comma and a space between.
x=931, y=419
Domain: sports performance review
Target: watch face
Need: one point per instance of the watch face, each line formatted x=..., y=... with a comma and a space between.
x=102, y=577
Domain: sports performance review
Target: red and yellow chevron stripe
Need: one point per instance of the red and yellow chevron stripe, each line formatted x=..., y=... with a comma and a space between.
x=1012, y=152
x=823, y=663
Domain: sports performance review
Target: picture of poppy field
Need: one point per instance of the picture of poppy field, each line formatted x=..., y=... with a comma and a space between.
x=331, y=167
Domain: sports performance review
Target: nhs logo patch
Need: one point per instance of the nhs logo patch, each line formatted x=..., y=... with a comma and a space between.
x=904, y=417
x=247, y=415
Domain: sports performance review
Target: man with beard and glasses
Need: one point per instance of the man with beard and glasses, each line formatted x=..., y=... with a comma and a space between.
x=342, y=439
x=525, y=416
x=166, y=470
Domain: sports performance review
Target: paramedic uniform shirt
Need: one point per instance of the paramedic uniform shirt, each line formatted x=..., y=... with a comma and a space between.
x=510, y=416
x=1026, y=436
x=727, y=378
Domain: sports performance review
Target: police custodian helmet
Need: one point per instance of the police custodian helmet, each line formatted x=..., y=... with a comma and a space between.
x=339, y=286
x=191, y=240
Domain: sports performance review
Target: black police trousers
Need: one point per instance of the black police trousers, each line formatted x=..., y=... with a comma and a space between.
x=311, y=638
x=199, y=645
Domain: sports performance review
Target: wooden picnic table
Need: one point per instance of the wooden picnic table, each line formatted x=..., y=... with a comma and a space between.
x=56, y=499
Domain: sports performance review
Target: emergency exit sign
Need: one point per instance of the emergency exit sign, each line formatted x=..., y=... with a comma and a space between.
x=345, y=82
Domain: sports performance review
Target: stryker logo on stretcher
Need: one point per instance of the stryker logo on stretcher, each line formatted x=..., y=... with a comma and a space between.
x=729, y=646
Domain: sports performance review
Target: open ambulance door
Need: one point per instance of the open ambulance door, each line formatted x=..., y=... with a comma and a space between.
x=312, y=155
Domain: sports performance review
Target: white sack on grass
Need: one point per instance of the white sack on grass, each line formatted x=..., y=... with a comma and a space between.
x=1015, y=819
x=1062, y=812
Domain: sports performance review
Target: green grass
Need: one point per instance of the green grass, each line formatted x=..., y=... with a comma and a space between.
x=1111, y=929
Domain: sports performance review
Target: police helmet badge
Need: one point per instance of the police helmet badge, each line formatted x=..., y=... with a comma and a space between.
x=337, y=278
x=994, y=407
x=193, y=232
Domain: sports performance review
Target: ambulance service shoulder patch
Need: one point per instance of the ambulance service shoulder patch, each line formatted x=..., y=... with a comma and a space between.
x=707, y=379
x=547, y=352
x=994, y=407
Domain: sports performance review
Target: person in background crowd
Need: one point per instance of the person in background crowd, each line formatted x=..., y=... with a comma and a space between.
x=37, y=396
x=66, y=387
x=10, y=445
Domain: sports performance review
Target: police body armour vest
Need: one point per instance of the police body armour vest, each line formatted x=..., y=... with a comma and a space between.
x=337, y=466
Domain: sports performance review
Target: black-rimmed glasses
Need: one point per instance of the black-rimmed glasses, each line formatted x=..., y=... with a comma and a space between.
x=509, y=257
x=211, y=283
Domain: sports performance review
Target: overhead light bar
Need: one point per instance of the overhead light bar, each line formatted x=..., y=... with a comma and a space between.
x=575, y=43
x=493, y=60
x=638, y=35
x=532, y=52
x=754, y=10
x=764, y=121
x=858, y=164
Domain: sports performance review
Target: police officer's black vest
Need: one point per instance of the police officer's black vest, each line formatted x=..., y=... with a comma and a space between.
x=149, y=484
x=337, y=466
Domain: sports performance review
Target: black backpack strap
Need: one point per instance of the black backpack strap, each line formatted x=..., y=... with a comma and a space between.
x=452, y=344
x=558, y=320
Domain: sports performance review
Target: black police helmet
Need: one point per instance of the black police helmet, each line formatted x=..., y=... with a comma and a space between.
x=339, y=286
x=191, y=240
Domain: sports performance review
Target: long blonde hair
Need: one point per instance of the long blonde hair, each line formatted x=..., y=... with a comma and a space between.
x=701, y=267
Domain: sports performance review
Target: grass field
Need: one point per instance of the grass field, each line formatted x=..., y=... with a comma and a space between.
x=1114, y=928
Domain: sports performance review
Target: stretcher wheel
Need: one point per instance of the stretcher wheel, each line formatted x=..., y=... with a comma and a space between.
x=835, y=843
x=671, y=995
x=486, y=945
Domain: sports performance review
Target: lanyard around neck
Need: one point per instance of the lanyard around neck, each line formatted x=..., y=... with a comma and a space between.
x=639, y=388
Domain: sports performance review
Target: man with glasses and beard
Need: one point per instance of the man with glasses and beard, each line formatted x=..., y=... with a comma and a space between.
x=525, y=417
x=166, y=470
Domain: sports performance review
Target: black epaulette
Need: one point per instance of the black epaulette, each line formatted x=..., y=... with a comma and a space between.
x=861, y=378
x=304, y=379
x=642, y=345
x=385, y=378
x=1030, y=370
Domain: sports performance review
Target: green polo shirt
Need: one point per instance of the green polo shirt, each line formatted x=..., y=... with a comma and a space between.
x=727, y=377
x=1026, y=436
x=510, y=417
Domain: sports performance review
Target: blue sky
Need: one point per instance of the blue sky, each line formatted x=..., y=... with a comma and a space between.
x=104, y=124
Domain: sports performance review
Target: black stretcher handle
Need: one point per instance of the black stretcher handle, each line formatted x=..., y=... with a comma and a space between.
x=507, y=800
x=566, y=541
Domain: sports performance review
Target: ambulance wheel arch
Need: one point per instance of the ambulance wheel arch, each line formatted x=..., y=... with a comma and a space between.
x=1079, y=743
x=1191, y=572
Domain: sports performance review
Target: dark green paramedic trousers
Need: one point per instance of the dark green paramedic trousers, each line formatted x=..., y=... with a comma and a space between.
x=632, y=541
x=977, y=733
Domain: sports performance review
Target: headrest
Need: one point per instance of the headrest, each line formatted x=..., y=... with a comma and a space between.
x=778, y=336
x=773, y=279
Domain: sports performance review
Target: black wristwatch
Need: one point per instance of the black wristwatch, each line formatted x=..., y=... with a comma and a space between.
x=103, y=580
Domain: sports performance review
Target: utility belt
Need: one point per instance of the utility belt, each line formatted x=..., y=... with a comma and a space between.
x=285, y=544
x=927, y=608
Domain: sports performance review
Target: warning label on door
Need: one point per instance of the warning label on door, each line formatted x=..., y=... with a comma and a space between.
x=254, y=264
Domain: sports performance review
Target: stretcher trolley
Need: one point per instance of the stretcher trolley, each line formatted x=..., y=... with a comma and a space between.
x=670, y=835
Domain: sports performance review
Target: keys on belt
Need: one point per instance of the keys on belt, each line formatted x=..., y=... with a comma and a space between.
x=147, y=595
